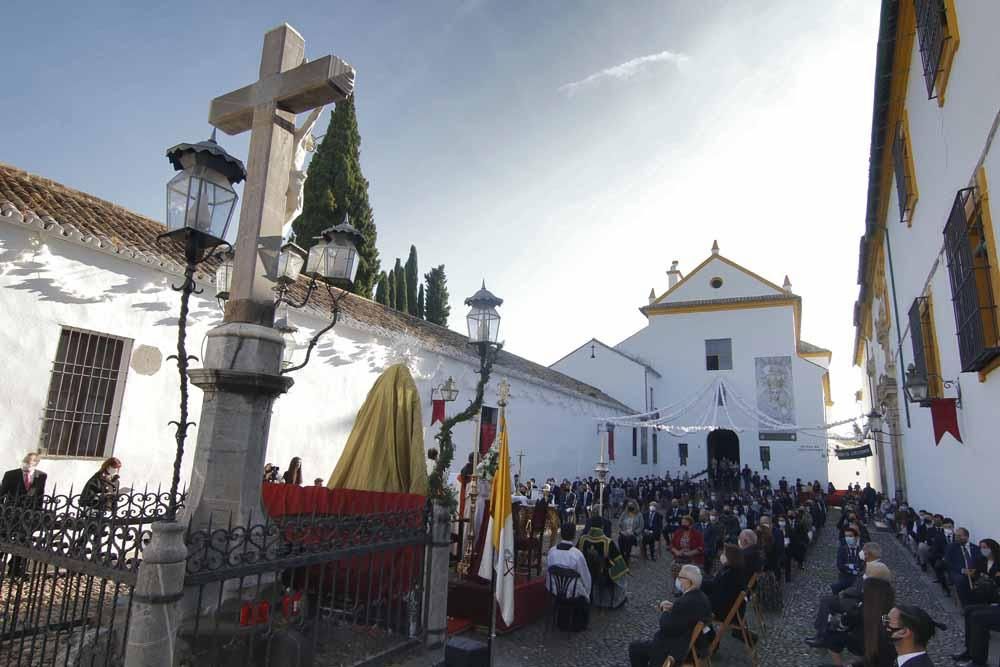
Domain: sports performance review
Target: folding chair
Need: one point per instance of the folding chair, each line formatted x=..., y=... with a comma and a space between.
x=737, y=621
x=693, y=659
x=755, y=605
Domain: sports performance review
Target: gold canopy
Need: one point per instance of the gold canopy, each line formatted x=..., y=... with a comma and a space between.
x=385, y=451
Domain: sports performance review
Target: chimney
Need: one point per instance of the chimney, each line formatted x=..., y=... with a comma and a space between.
x=673, y=275
x=652, y=296
x=787, y=286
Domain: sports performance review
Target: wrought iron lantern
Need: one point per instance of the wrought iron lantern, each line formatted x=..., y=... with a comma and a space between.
x=334, y=259
x=290, y=262
x=448, y=391
x=874, y=424
x=201, y=198
x=483, y=319
x=224, y=279
x=916, y=386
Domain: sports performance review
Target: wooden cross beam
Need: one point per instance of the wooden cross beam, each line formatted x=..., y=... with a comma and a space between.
x=288, y=85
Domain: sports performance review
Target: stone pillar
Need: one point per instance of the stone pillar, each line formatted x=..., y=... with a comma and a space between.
x=436, y=576
x=241, y=378
x=152, y=633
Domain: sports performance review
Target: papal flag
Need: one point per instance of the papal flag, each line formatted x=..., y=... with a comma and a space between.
x=498, y=548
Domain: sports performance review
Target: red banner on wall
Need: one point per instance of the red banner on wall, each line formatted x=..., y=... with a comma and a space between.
x=944, y=415
x=437, y=410
x=487, y=429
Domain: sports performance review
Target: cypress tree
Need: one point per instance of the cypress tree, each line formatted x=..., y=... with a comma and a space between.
x=420, y=302
x=399, y=276
x=335, y=187
x=390, y=290
x=412, y=281
x=436, y=305
x=381, y=295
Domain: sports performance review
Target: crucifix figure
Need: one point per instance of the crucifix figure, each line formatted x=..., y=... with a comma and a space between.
x=288, y=85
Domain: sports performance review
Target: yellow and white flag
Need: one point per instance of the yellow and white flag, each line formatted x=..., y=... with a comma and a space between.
x=498, y=548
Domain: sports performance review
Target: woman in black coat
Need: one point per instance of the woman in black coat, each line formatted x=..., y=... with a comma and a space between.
x=725, y=587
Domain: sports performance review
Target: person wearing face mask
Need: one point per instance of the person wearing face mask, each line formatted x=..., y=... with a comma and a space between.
x=782, y=540
x=926, y=533
x=630, y=527
x=687, y=545
x=652, y=527
x=677, y=620
x=723, y=589
x=712, y=536
x=859, y=627
x=848, y=560
x=984, y=616
x=851, y=596
x=910, y=629
x=24, y=488
x=963, y=561
x=937, y=560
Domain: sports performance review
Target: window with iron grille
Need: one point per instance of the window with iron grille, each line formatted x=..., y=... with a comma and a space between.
x=765, y=457
x=969, y=272
x=656, y=454
x=719, y=354
x=682, y=452
x=926, y=363
x=644, y=447
x=904, y=171
x=932, y=31
x=635, y=442
x=85, y=391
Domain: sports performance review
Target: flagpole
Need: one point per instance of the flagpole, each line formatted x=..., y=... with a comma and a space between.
x=502, y=398
x=493, y=613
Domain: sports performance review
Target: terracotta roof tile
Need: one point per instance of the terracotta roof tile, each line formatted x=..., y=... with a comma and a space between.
x=98, y=218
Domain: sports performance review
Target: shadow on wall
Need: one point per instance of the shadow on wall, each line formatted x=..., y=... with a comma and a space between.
x=19, y=258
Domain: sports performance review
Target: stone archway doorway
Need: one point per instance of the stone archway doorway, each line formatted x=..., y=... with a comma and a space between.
x=723, y=444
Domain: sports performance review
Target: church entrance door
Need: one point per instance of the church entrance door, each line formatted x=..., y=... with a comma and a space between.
x=723, y=445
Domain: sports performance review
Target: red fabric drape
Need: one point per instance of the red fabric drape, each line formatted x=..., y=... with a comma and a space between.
x=489, y=434
x=437, y=411
x=944, y=416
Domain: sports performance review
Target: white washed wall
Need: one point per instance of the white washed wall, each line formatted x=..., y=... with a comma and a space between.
x=947, y=142
x=755, y=332
x=735, y=284
x=46, y=283
x=615, y=375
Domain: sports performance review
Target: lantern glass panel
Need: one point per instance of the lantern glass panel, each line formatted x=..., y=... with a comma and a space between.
x=200, y=198
x=484, y=324
x=290, y=263
x=224, y=279
x=335, y=261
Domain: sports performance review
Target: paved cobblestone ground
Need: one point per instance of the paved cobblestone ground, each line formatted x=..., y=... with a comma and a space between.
x=605, y=643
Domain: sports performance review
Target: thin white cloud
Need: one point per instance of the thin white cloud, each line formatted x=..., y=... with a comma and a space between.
x=624, y=71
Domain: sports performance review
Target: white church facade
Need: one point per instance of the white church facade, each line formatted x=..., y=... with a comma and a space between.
x=721, y=367
x=90, y=319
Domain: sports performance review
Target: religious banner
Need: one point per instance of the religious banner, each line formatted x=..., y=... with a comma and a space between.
x=487, y=429
x=437, y=410
x=775, y=394
x=611, y=442
x=862, y=452
x=945, y=418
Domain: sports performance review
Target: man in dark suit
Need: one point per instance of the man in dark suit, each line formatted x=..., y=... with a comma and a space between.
x=653, y=527
x=22, y=488
x=910, y=628
x=677, y=621
x=848, y=560
x=939, y=547
x=843, y=600
x=962, y=561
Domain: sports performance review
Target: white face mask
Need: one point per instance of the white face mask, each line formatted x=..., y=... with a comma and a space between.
x=861, y=555
x=677, y=585
x=723, y=559
x=949, y=532
x=985, y=552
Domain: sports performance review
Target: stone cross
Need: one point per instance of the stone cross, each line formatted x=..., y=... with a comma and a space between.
x=288, y=85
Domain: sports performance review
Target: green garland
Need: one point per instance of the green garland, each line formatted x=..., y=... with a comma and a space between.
x=439, y=490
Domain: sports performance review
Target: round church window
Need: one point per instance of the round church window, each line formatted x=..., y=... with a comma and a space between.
x=715, y=282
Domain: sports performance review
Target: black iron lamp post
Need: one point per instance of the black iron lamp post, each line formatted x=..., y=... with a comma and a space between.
x=200, y=202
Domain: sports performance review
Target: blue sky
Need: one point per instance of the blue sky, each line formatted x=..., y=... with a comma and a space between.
x=564, y=151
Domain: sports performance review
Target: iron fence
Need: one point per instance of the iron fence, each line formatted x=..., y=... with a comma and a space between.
x=330, y=590
x=71, y=568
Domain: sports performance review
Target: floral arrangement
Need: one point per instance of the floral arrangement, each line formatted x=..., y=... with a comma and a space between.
x=487, y=467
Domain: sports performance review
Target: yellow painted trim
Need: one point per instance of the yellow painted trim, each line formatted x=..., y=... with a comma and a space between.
x=989, y=232
x=715, y=307
x=703, y=264
x=948, y=50
x=911, y=171
x=989, y=368
x=826, y=391
x=932, y=352
x=828, y=355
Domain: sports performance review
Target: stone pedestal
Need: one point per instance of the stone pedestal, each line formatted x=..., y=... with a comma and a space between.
x=152, y=631
x=436, y=577
x=241, y=378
